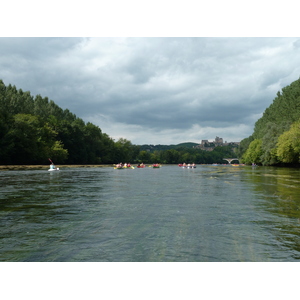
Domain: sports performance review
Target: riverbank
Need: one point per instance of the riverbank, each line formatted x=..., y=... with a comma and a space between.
x=46, y=167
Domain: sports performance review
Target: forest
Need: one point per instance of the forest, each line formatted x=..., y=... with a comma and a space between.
x=34, y=129
x=276, y=137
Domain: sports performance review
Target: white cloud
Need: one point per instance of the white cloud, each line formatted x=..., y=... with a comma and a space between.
x=156, y=90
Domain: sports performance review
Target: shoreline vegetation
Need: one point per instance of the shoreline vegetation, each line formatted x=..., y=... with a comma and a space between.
x=33, y=129
x=276, y=137
x=62, y=167
x=46, y=167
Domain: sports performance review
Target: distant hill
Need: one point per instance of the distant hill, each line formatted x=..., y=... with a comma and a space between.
x=153, y=148
x=187, y=145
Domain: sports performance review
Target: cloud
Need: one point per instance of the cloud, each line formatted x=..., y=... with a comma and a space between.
x=156, y=90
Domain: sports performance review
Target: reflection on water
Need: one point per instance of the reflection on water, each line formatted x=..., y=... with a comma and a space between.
x=281, y=199
x=209, y=213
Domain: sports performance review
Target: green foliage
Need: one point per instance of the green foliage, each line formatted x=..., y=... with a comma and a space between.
x=25, y=137
x=58, y=153
x=34, y=129
x=187, y=155
x=273, y=129
x=253, y=153
x=143, y=157
x=153, y=148
x=288, y=146
x=125, y=152
x=244, y=144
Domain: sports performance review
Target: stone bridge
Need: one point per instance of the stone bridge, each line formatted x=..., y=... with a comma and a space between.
x=231, y=159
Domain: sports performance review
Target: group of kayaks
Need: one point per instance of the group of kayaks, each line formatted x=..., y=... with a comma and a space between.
x=187, y=166
x=233, y=165
x=139, y=166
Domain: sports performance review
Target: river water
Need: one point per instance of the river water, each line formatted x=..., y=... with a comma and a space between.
x=207, y=214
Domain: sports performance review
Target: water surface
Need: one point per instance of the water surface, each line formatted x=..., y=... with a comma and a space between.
x=210, y=213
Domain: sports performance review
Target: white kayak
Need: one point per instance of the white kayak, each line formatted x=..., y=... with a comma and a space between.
x=51, y=170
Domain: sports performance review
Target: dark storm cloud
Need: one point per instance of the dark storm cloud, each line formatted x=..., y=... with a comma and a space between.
x=156, y=85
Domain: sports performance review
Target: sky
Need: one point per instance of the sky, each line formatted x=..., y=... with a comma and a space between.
x=154, y=89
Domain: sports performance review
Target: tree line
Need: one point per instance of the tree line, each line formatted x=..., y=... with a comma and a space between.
x=33, y=129
x=186, y=155
x=276, y=136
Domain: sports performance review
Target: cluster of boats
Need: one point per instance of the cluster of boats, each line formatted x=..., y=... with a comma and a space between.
x=226, y=165
x=188, y=166
x=123, y=166
x=128, y=166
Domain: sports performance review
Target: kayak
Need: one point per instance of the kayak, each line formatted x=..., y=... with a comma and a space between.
x=51, y=170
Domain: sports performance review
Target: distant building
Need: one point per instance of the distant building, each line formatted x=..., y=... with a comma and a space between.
x=209, y=146
x=218, y=141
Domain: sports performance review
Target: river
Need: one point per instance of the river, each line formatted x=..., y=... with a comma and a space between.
x=170, y=214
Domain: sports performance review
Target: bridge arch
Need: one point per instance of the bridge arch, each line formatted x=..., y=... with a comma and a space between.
x=231, y=159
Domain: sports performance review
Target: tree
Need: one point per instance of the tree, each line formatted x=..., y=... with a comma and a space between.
x=288, y=146
x=143, y=157
x=253, y=153
x=58, y=153
x=170, y=156
x=155, y=157
x=40, y=107
x=244, y=144
x=276, y=119
x=25, y=136
x=269, y=142
x=125, y=151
